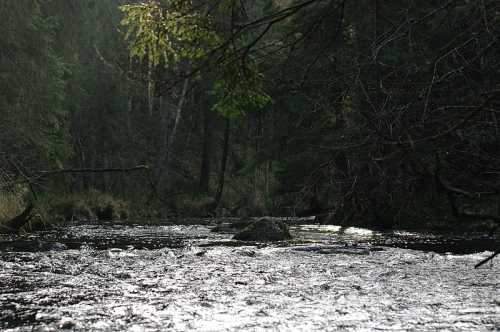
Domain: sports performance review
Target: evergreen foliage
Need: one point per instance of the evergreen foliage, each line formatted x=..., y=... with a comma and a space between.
x=377, y=112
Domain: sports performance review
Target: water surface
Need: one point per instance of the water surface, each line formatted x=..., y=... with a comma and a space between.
x=151, y=278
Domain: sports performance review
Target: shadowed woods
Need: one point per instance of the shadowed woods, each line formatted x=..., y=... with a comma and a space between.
x=363, y=113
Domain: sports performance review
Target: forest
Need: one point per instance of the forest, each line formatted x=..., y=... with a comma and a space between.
x=249, y=165
x=375, y=113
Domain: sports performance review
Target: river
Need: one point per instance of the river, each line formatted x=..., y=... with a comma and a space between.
x=110, y=277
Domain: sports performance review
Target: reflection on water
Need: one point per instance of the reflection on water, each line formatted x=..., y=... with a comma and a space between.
x=152, y=278
x=399, y=239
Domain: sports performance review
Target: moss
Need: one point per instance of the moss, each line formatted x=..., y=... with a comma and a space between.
x=264, y=229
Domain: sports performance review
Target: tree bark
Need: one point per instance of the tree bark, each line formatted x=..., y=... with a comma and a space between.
x=222, y=173
x=169, y=136
x=150, y=89
x=173, y=132
x=162, y=154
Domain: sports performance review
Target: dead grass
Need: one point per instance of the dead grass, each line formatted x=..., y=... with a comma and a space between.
x=91, y=205
x=11, y=205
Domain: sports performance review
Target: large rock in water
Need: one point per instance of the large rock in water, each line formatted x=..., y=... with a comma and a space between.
x=264, y=229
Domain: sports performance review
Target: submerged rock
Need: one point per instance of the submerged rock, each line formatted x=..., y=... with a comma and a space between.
x=264, y=229
x=56, y=246
x=66, y=323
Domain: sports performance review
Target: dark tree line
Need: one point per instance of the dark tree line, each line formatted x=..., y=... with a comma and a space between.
x=375, y=112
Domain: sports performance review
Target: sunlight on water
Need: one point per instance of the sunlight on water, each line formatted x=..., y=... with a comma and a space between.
x=314, y=286
x=359, y=231
x=321, y=228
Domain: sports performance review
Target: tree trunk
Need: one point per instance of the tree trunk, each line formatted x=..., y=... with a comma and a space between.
x=162, y=155
x=173, y=132
x=128, y=114
x=222, y=173
x=206, y=151
x=151, y=88
x=168, y=140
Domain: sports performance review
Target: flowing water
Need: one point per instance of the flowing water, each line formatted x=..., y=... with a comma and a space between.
x=183, y=278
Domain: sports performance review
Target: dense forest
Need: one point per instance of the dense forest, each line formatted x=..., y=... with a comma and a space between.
x=380, y=113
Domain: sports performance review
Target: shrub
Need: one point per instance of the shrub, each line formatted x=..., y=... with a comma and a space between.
x=73, y=207
x=90, y=205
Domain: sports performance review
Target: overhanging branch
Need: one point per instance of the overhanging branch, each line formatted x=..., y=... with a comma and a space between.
x=40, y=175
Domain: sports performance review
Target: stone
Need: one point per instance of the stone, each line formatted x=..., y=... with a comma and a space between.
x=264, y=230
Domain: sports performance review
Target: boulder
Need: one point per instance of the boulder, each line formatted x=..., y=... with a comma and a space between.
x=263, y=230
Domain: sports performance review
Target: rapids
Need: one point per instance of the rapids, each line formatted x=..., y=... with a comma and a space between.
x=111, y=277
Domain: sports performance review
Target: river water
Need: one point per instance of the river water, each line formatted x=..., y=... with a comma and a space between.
x=184, y=278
